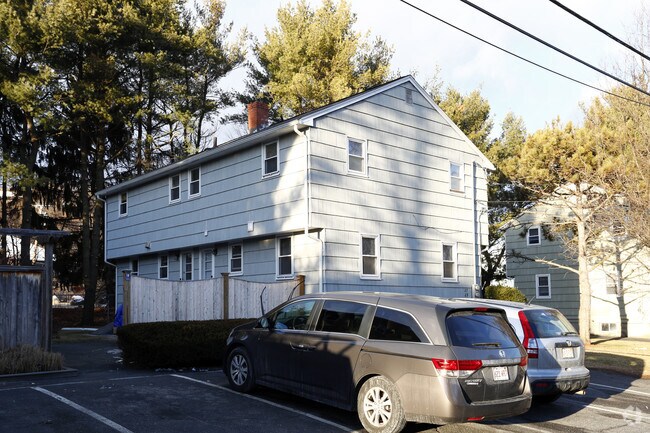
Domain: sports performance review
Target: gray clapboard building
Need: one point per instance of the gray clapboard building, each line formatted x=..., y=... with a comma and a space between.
x=379, y=191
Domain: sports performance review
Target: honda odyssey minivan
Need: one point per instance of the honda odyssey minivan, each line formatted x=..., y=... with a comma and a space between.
x=391, y=357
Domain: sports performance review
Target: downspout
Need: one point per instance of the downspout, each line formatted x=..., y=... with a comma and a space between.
x=475, y=221
x=321, y=273
x=106, y=243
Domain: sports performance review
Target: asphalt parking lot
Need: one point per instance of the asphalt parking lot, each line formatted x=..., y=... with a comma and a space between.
x=103, y=396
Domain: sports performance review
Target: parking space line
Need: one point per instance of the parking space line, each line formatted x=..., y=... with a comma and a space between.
x=519, y=426
x=82, y=409
x=631, y=391
x=270, y=403
x=621, y=412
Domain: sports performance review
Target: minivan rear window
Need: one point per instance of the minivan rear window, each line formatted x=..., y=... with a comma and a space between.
x=470, y=328
x=549, y=323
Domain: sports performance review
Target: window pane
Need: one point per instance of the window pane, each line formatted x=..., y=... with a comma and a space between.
x=285, y=265
x=447, y=253
x=355, y=148
x=369, y=266
x=270, y=151
x=456, y=184
x=341, y=316
x=356, y=164
x=368, y=246
x=285, y=247
x=475, y=329
x=235, y=265
x=449, y=270
x=454, y=169
x=293, y=316
x=395, y=326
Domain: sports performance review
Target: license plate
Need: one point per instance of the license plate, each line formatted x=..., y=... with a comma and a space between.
x=567, y=352
x=500, y=373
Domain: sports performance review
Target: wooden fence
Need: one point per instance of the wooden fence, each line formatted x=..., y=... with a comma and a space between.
x=152, y=300
x=23, y=316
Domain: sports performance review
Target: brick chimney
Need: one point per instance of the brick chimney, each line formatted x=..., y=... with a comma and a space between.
x=258, y=116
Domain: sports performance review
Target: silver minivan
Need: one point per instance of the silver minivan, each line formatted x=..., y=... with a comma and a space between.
x=391, y=357
x=556, y=354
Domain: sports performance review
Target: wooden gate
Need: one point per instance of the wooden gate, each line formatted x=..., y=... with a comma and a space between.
x=23, y=315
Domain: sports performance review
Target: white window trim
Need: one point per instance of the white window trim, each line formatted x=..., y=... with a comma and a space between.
x=241, y=271
x=179, y=188
x=183, y=276
x=277, y=259
x=537, y=295
x=364, y=152
x=461, y=176
x=203, y=255
x=539, y=236
x=189, y=182
x=160, y=267
x=119, y=204
x=454, y=252
x=277, y=156
x=377, y=275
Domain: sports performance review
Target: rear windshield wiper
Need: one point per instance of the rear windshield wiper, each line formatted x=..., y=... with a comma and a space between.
x=487, y=344
x=570, y=333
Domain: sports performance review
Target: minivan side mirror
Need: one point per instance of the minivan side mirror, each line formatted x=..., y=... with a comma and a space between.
x=264, y=323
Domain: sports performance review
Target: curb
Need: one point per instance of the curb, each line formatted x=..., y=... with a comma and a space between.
x=66, y=372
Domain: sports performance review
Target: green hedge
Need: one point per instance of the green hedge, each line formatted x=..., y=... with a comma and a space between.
x=175, y=344
x=504, y=293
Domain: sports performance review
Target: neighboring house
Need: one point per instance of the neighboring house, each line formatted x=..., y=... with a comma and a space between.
x=557, y=287
x=379, y=191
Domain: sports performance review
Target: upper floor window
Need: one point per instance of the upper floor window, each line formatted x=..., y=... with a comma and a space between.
x=175, y=188
x=194, y=180
x=543, y=286
x=357, y=156
x=236, y=259
x=369, y=256
x=271, y=159
x=207, y=264
x=163, y=267
x=409, y=96
x=449, y=262
x=188, y=266
x=455, y=177
x=534, y=236
x=285, y=257
x=124, y=203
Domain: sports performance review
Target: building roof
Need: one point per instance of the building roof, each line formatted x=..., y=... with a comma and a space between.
x=300, y=122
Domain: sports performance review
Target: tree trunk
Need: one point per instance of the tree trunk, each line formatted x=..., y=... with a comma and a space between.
x=31, y=148
x=584, y=313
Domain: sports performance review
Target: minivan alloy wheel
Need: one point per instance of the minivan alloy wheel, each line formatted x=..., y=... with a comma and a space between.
x=240, y=370
x=379, y=406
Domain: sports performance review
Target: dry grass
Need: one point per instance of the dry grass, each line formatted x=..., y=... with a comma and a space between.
x=29, y=359
x=626, y=356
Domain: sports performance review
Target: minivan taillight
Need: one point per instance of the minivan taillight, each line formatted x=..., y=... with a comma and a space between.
x=456, y=368
x=530, y=342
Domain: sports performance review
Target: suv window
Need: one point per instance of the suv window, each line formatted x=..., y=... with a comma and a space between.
x=393, y=325
x=471, y=328
x=341, y=316
x=293, y=316
x=549, y=323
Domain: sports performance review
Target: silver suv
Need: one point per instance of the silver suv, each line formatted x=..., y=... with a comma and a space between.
x=393, y=358
x=556, y=354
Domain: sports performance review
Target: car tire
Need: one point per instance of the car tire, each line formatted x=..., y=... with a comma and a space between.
x=379, y=406
x=546, y=399
x=240, y=370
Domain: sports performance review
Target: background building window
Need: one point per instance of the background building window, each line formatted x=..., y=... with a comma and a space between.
x=236, y=259
x=124, y=203
x=455, y=177
x=175, y=188
x=285, y=258
x=135, y=266
x=369, y=256
x=357, y=156
x=188, y=266
x=207, y=264
x=449, y=262
x=195, y=182
x=534, y=236
x=543, y=286
x=163, y=267
x=270, y=158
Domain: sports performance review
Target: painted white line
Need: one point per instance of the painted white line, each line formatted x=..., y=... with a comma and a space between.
x=270, y=403
x=82, y=409
x=518, y=426
x=631, y=391
x=622, y=412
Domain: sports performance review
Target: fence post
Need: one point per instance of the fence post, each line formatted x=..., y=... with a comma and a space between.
x=126, y=303
x=301, y=284
x=226, y=294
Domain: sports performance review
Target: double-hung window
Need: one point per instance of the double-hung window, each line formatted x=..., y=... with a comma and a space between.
x=236, y=259
x=135, y=266
x=175, y=188
x=271, y=159
x=357, y=156
x=455, y=177
x=543, y=286
x=163, y=267
x=534, y=236
x=370, y=257
x=449, y=266
x=188, y=266
x=207, y=264
x=124, y=203
x=285, y=258
x=194, y=181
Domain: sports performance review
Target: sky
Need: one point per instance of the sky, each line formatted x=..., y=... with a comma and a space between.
x=423, y=45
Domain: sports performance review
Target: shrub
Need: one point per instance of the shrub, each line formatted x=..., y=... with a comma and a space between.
x=29, y=359
x=504, y=293
x=176, y=344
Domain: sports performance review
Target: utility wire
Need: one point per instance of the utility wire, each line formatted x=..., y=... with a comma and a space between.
x=523, y=58
x=553, y=47
x=600, y=29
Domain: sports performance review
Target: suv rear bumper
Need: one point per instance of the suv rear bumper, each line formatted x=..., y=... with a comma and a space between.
x=554, y=386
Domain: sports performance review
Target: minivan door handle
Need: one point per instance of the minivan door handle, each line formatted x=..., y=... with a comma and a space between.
x=302, y=347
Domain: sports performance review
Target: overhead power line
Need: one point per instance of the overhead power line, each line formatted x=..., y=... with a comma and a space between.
x=600, y=29
x=575, y=80
x=553, y=47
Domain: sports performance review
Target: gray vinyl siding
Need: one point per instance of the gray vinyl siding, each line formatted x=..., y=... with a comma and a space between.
x=565, y=294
